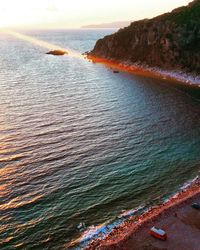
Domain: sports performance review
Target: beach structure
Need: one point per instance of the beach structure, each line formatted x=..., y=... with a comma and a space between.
x=158, y=233
x=196, y=206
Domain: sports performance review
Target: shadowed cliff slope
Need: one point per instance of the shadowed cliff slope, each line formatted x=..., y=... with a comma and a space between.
x=170, y=41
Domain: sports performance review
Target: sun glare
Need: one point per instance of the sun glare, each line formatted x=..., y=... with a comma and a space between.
x=41, y=43
x=76, y=13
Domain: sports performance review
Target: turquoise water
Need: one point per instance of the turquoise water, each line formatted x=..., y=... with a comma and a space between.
x=81, y=144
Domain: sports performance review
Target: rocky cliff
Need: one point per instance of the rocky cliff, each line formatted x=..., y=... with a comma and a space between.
x=170, y=41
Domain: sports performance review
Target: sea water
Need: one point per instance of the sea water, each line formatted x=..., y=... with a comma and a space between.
x=81, y=144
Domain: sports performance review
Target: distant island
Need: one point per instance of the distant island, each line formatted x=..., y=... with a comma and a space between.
x=168, y=44
x=116, y=25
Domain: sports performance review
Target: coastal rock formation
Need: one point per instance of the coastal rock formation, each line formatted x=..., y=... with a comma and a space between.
x=170, y=41
x=57, y=52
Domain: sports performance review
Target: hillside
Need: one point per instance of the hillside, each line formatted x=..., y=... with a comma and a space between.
x=170, y=41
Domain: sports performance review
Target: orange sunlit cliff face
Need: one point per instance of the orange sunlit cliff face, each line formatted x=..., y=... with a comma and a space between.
x=137, y=70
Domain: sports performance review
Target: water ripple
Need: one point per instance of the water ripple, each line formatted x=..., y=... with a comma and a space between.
x=81, y=144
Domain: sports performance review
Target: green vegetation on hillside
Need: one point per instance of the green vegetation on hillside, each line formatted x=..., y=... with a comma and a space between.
x=170, y=41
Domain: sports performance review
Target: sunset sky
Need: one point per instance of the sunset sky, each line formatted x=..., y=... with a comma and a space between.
x=75, y=13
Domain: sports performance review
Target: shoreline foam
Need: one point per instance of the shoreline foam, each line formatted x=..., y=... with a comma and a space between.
x=144, y=70
x=141, y=223
x=111, y=235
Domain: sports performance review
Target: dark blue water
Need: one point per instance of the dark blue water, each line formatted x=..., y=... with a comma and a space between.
x=81, y=144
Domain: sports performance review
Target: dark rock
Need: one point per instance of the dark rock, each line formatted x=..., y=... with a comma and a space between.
x=85, y=53
x=57, y=52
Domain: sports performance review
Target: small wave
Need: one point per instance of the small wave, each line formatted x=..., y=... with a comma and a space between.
x=185, y=186
x=103, y=230
x=189, y=183
x=12, y=158
x=19, y=202
x=131, y=212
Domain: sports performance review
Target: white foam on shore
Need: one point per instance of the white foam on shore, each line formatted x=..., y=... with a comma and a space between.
x=188, y=184
x=101, y=231
x=181, y=76
x=184, y=187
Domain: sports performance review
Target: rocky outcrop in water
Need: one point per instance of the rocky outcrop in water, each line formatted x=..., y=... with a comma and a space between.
x=170, y=41
x=57, y=52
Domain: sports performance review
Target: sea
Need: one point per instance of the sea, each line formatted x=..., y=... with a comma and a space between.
x=82, y=148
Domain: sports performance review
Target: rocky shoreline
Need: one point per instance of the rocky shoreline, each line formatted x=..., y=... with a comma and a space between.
x=144, y=70
x=168, y=45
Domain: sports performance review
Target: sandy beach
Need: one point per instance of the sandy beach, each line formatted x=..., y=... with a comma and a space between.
x=176, y=216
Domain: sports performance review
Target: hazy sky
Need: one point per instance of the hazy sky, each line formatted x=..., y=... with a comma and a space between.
x=75, y=13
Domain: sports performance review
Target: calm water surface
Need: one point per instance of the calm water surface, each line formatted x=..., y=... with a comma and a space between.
x=81, y=144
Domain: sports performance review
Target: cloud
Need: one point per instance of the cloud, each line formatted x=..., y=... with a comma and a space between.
x=52, y=8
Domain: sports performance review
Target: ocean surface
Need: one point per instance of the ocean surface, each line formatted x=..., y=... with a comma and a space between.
x=81, y=144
